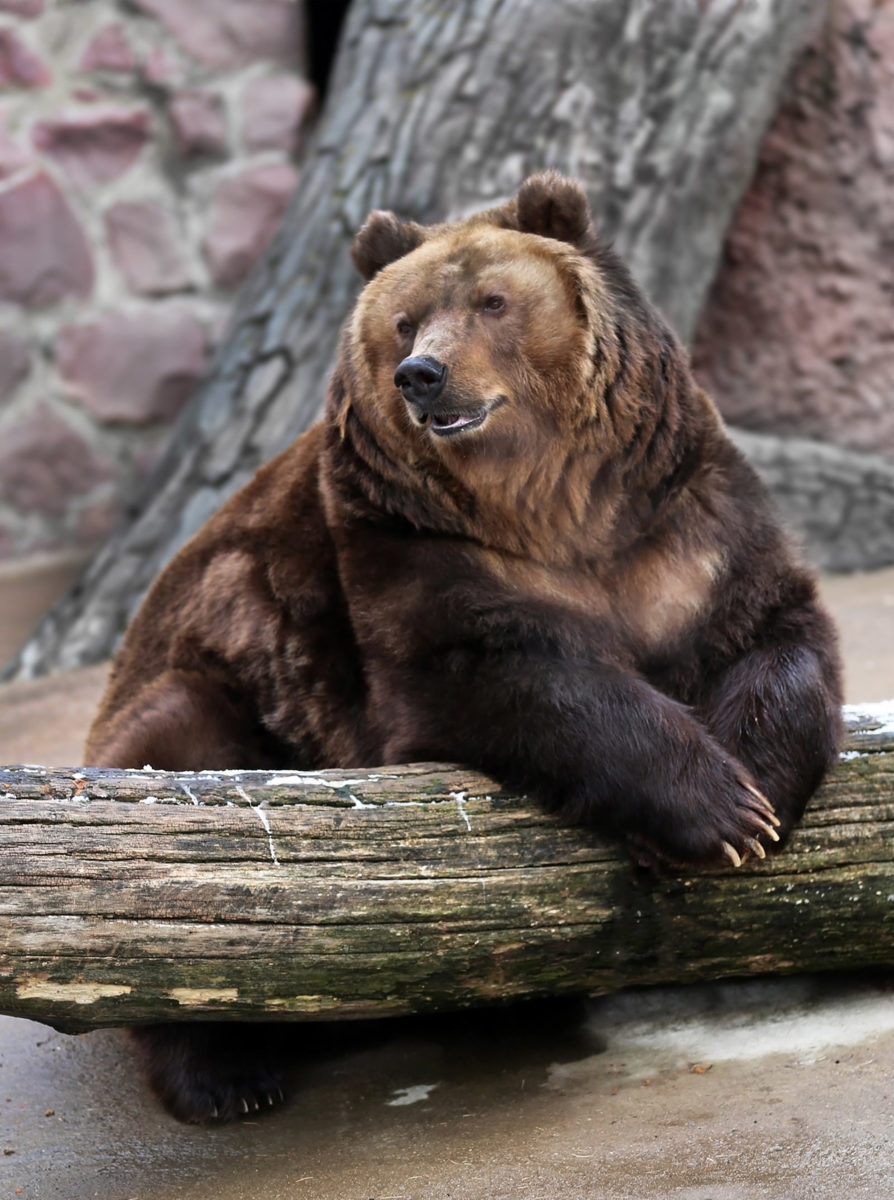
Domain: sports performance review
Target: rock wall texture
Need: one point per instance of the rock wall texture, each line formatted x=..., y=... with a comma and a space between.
x=798, y=333
x=147, y=150
x=147, y=153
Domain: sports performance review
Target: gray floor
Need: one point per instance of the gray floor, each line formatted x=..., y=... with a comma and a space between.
x=782, y=1089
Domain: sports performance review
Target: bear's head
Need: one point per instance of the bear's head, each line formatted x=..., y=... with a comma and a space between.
x=498, y=339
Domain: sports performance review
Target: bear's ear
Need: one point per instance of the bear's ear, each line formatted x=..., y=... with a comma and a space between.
x=383, y=238
x=553, y=206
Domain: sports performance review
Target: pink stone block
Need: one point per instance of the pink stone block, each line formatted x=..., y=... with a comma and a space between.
x=198, y=123
x=133, y=368
x=95, y=145
x=108, y=50
x=19, y=66
x=23, y=8
x=44, y=254
x=12, y=157
x=44, y=462
x=97, y=520
x=145, y=247
x=274, y=110
x=231, y=33
x=8, y=542
x=245, y=211
x=159, y=69
x=14, y=364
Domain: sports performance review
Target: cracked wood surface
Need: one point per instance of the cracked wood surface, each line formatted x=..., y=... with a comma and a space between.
x=128, y=896
x=436, y=109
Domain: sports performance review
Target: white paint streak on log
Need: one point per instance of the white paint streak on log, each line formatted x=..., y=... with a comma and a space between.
x=192, y=796
x=264, y=821
x=460, y=798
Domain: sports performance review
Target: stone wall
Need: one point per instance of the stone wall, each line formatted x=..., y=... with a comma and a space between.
x=147, y=151
x=146, y=154
x=798, y=334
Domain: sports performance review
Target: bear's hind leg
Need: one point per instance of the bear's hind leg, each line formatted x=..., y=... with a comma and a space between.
x=181, y=721
x=778, y=710
x=214, y=1072
x=189, y=721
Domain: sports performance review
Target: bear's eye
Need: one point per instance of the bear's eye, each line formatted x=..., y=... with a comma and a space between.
x=404, y=327
x=495, y=303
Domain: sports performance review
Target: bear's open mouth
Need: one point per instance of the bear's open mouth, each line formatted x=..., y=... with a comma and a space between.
x=454, y=421
x=446, y=423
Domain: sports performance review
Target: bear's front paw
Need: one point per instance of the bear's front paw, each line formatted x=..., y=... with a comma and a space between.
x=714, y=813
x=203, y=1076
x=753, y=819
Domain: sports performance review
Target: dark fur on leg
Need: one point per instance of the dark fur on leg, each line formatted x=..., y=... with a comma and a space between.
x=212, y=1073
x=778, y=709
x=593, y=742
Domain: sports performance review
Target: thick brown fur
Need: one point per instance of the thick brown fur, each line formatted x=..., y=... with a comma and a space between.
x=546, y=560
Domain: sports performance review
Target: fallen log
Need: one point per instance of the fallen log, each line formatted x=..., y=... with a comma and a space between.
x=130, y=896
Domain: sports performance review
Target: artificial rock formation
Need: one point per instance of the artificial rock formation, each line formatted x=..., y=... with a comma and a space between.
x=126, y=130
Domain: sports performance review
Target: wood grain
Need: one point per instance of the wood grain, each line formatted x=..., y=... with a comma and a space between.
x=128, y=896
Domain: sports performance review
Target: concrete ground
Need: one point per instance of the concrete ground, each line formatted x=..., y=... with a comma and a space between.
x=756, y=1088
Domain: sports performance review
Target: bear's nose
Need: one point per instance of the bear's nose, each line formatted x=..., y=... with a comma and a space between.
x=421, y=379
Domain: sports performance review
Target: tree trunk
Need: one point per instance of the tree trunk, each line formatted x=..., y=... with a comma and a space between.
x=435, y=109
x=138, y=896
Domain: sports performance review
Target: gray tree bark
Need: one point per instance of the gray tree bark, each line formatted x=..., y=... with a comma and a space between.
x=436, y=108
x=147, y=896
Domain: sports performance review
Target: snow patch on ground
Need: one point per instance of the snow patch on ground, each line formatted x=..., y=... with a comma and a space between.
x=411, y=1095
x=881, y=711
x=787, y=1018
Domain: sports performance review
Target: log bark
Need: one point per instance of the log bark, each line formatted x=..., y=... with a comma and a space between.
x=137, y=896
x=435, y=109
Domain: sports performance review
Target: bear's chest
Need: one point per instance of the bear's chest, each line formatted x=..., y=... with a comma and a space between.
x=662, y=596
x=643, y=607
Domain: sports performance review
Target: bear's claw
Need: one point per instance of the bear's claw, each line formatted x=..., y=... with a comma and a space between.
x=764, y=802
x=769, y=831
x=731, y=854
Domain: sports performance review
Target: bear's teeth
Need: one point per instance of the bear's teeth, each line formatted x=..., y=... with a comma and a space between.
x=454, y=422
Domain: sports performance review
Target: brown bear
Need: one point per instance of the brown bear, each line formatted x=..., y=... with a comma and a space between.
x=521, y=539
